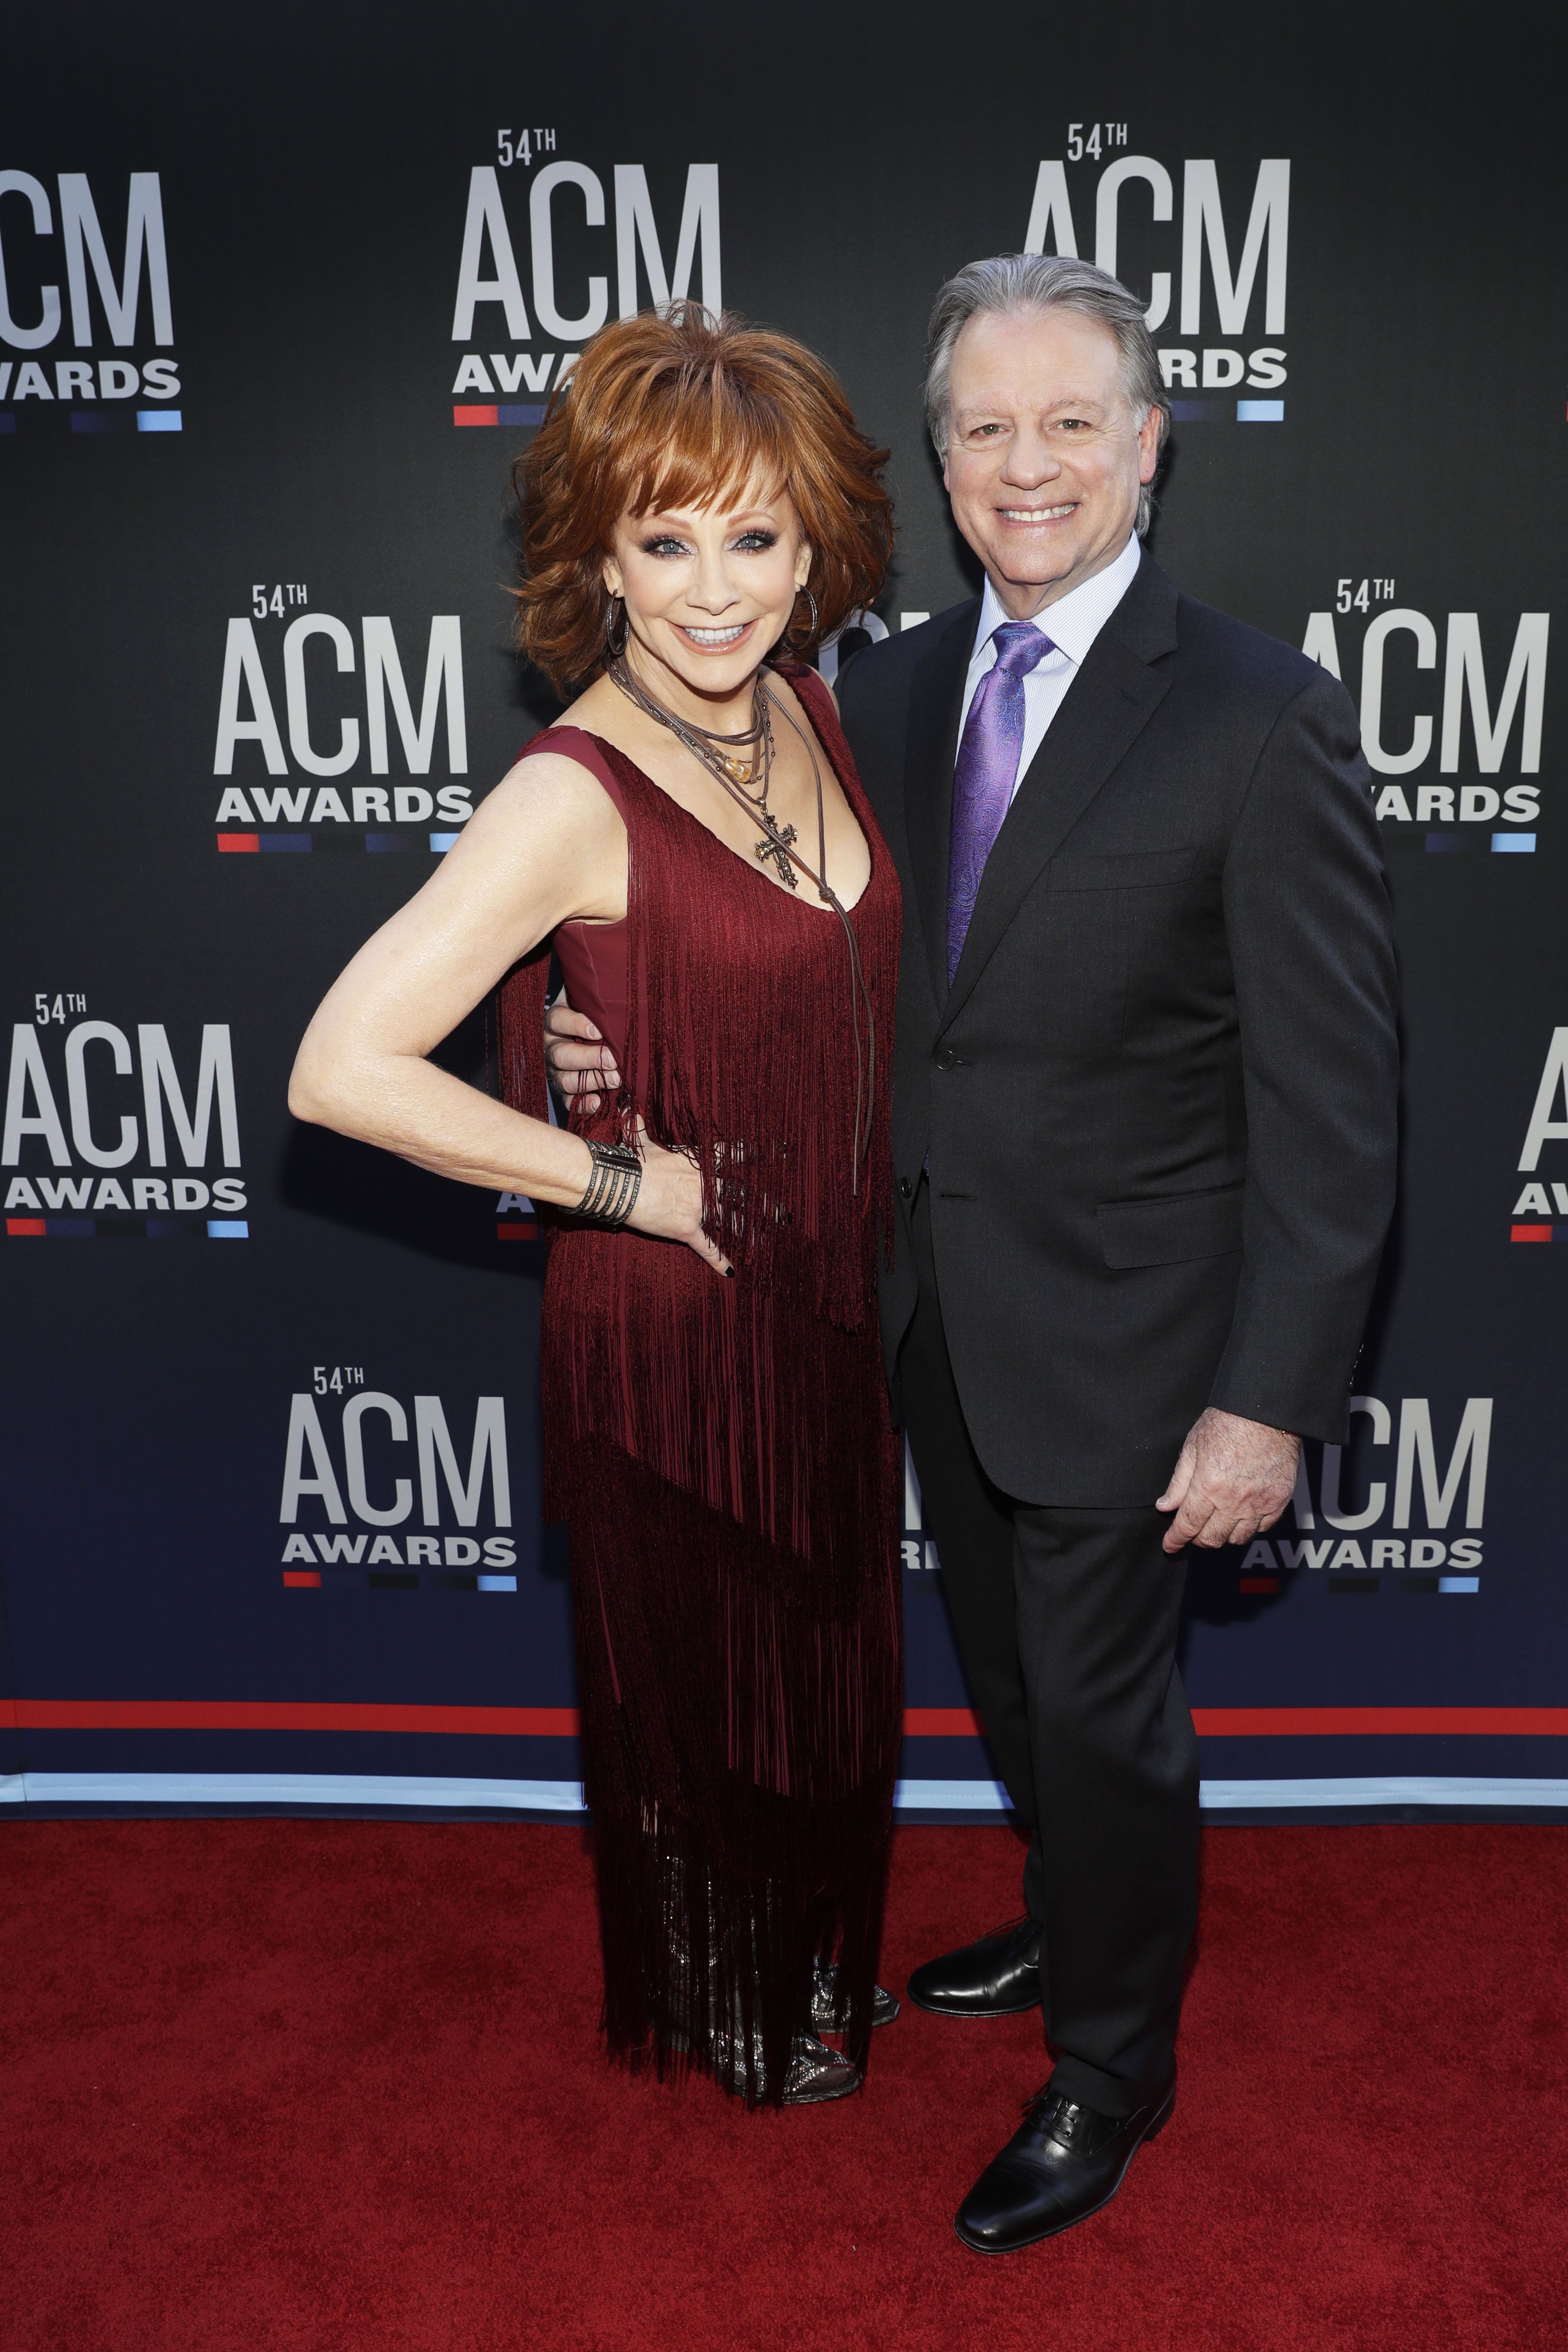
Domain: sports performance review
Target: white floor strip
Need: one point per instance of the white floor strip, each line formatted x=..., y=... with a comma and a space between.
x=1228, y=1796
x=295, y=1789
x=950, y=1797
x=978, y=1796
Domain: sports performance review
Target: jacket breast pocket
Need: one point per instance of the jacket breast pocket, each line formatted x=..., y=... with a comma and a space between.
x=1168, y=1231
x=1141, y=869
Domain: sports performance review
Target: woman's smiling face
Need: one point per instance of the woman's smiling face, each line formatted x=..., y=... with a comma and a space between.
x=709, y=591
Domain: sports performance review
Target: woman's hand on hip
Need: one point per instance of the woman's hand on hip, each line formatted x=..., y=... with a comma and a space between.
x=669, y=1203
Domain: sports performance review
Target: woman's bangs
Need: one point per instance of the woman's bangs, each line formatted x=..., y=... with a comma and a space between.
x=728, y=448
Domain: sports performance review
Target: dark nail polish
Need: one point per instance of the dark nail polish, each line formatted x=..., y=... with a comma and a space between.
x=730, y=1271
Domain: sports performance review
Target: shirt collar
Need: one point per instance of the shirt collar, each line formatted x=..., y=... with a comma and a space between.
x=1075, y=620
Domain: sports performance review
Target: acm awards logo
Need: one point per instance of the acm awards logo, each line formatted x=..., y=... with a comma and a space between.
x=1221, y=284
x=1545, y=1199
x=98, y=1127
x=1357, y=1541
x=284, y=712
x=1448, y=702
x=917, y=1550
x=55, y=257
x=351, y=1459
x=534, y=206
x=1217, y=323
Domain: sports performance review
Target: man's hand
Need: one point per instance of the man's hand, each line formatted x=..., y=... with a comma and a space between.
x=580, y=1062
x=670, y=1197
x=1233, y=1479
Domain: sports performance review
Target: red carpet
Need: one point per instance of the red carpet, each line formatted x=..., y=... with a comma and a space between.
x=332, y=2087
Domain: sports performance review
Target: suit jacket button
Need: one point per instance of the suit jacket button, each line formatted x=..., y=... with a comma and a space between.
x=945, y=1058
x=905, y=1187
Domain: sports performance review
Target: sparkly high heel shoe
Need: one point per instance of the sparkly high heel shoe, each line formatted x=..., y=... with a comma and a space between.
x=816, y=2074
x=824, y=1994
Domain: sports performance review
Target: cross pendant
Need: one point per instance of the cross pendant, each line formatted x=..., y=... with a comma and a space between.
x=776, y=847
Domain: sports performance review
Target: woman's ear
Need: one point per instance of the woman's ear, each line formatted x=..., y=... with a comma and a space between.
x=803, y=563
x=614, y=578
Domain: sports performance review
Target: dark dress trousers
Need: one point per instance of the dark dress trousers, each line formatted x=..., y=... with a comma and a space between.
x=1144, y=1152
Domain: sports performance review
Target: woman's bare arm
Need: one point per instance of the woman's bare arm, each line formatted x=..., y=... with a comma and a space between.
x=547, y=846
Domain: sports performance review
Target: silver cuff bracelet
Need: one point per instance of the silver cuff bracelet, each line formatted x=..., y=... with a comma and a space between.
x=612, y=1188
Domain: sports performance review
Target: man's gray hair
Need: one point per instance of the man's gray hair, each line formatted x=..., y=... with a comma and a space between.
x=1032, y=281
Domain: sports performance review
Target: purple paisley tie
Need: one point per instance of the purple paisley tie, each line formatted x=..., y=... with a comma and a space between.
x=987, y=770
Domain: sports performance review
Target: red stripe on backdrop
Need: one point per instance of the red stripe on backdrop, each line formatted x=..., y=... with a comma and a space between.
x=287, y=1715
x=560, y=1722
x=941, y=1723
x=1297, y=1722
x=1331, y=1722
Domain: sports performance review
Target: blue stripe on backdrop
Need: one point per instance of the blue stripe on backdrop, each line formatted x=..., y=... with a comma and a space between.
x=984, y=1799
x=335, y=1790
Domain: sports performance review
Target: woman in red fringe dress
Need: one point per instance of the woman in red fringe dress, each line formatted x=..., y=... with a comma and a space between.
x=695, y=846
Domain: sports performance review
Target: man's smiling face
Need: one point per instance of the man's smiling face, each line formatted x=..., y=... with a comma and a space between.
x=1045, y=454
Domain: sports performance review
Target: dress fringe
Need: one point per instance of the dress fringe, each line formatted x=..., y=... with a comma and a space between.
x=723, y=1455
x=736, y=1844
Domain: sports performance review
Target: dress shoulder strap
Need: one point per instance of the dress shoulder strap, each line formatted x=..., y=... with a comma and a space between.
x=523, y=993
x=577, y=743
x=811, y=689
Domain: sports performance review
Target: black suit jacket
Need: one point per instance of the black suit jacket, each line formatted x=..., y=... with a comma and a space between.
x=1158, y=1104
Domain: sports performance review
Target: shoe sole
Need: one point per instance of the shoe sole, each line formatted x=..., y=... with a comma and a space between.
x=1019, y=2009
x=976, y=2246
x=821, y=2098
x=826, y=2025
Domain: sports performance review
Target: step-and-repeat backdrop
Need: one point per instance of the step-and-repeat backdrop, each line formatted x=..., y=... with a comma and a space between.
x=283, y=296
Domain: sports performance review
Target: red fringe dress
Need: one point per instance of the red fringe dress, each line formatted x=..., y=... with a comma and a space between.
x=721, y=1450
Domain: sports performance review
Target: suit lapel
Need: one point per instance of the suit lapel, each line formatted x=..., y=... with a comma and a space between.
x=1106, y=708
x=931, y=746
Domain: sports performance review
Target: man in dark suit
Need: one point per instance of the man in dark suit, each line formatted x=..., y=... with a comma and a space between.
x=1144, y=1133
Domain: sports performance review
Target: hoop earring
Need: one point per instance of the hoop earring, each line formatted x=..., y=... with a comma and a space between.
x=613, y=648
x=811, y=630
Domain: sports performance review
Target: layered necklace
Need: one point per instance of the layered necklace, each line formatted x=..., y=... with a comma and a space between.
x=743, y=766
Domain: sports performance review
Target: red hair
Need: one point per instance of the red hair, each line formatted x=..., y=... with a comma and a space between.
x=681, y=411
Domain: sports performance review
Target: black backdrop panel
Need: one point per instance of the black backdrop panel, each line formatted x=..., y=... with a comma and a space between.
x=283, y=299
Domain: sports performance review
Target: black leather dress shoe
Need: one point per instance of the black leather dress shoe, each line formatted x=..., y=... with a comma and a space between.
x=1063, y=2163
x=997, y=1977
